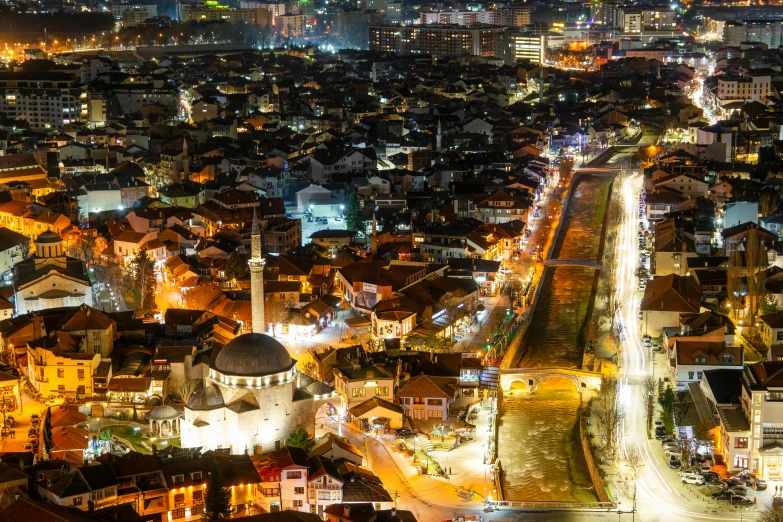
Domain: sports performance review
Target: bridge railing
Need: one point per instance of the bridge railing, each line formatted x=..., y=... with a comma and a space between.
x=551, y=505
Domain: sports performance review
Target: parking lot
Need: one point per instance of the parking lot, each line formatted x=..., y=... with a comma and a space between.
x=310, y=227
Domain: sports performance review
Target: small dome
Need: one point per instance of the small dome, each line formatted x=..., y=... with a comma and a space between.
x=253, y=354
x=319, y=388
x=207, y=398
x=165, y=412
x=48, y=237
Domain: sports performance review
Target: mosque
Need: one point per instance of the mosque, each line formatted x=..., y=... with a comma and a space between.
x=253, y=397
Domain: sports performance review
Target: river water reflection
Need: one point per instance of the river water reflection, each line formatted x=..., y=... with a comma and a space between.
x=541, y=458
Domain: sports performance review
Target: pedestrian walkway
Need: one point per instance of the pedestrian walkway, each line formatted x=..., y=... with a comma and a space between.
x=465, y=466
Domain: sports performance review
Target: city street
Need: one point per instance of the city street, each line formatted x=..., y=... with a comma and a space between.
x=660, y=494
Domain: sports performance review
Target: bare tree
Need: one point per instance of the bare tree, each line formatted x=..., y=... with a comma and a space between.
x=734, y=283
x=201, y=296
x=594, y=326
x=451, y=302
x=566, y=169
x=610, y=416
x=756, y=261
x=614, y=214
x=275, y=312
x=186, y=388
x=768, y=203
x=772, y=512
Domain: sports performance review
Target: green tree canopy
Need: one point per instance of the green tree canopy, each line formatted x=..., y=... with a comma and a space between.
x=217, y=505
x=300, y=438
x=353, y=220
x=236, y=266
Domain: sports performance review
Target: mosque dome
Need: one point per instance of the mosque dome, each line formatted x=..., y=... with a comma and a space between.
x=253, y=354
x=207, y=398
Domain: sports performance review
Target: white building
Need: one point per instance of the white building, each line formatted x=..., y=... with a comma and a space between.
x=691, y=358
x=50, y=279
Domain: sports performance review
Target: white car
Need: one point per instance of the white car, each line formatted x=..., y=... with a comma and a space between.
x=693, y=479
x=689, y=472
x=672, y=446
x=671, y=453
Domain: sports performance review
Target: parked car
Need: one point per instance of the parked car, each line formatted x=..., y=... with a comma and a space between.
x=738, y=490
x=27, y=447
x=761, y=484
x=667, y=439
x=640, y=315
x=689, y=471
x=674, y=462
x=403, y=433
x=739, y=500
x=672, y=453
x=696, y=480
x=722, y=495
x=710, y=476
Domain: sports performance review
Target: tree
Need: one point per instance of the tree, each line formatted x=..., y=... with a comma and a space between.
x=772, y=512
x=610, y=416
x=666, y=402
x=451, y=302
x=275, y=312
x=768, y=203
x=236, y=267
x=186, y=388
x=703, y=433
x=641, y=272
x=649, y=387
x=768, y=305
x=566, y=169
x=201, y=297
x=143, y=269
x=614, y=214
x=300, y=438
x=512, y=289
x=734, y=283
x=593, y=326
x=217, y=505
x=353, y=219
x=756, y=261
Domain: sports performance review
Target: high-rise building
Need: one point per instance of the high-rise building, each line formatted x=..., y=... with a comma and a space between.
x=440, y=40
x=212, y=11
x=526, y=46
x=47, y=100
x=768, y=32
x=117, y=9
x=275, y=8
x=134, y=17
x=507, y=16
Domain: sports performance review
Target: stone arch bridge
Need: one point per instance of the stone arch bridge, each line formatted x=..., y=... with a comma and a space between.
x=528, y=379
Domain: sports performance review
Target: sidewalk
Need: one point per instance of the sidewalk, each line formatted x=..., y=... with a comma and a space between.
x=465, y=462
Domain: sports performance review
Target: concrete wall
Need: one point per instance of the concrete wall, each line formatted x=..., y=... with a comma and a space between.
x=595, y=476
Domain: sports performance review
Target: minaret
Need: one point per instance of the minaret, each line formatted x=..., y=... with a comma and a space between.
x=374, y=235
x=256, y=278
x=438, y=138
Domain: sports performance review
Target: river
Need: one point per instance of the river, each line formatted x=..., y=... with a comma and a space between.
x=538, y=449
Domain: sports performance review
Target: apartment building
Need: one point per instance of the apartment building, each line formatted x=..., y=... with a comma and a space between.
x=215, y=12
x=47, y=100
x=526, y=46
x=441, y=40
